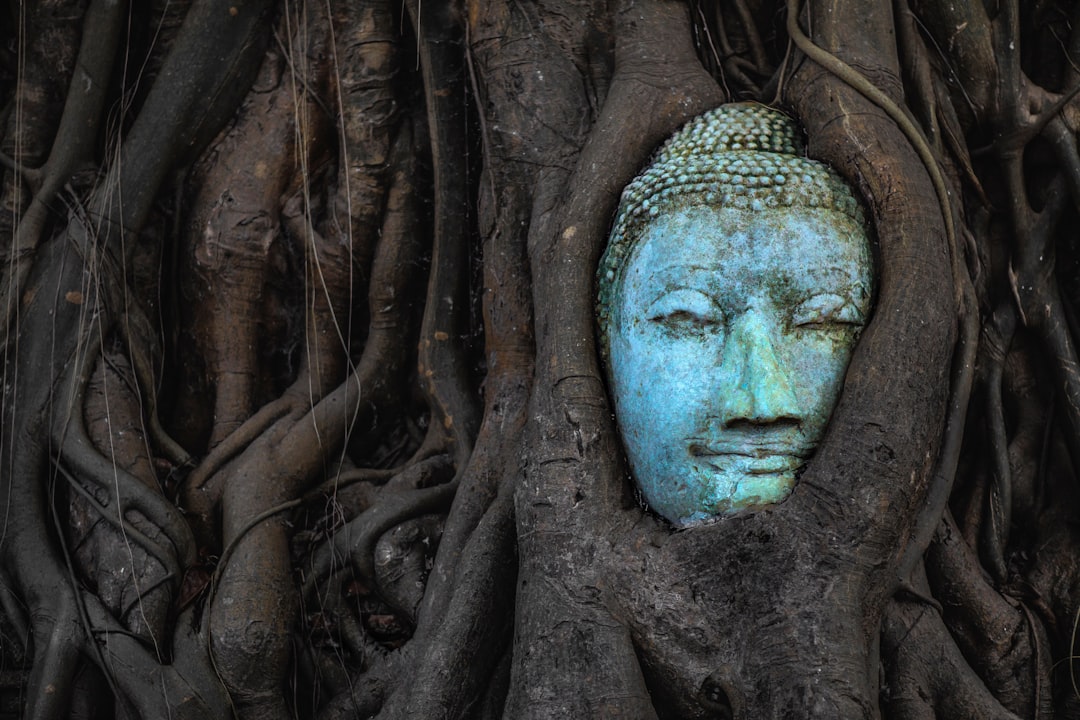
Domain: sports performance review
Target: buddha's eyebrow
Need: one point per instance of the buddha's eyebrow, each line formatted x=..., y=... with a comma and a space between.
x=669, y=278
x=830, y=279
x=683, y=275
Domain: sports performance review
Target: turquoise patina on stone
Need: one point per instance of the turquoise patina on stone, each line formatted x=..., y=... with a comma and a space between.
x=737, y=278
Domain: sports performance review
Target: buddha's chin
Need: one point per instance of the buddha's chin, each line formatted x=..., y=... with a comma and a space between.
x=720, y=487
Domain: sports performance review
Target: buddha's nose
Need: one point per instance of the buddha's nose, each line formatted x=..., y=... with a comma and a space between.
x=756, y=387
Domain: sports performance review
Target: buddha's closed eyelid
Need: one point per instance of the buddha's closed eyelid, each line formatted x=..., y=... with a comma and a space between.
x=825, y=309
x=684, y=307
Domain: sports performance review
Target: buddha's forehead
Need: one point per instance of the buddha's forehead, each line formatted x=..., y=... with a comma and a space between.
x=743, y=243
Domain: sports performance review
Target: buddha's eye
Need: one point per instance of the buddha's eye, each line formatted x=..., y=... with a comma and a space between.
x=685, y=311
x=825, y=311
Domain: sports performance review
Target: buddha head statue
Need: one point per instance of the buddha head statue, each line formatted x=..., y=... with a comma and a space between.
x=735, y=283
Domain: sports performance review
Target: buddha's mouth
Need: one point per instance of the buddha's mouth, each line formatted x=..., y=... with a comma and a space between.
x=756, y=448
x=752, y=463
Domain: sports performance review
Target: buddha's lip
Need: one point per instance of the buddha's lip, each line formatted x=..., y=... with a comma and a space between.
x=752, y=463
x=756, y=450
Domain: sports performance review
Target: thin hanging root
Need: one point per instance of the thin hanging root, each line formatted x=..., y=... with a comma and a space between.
x=281, y=464
x=28, y=551
x=324, y=429
x=386, y=354
x=124, y=493
x=357, y=648
x=371, y=390
x=235, y=223
x=364, y=66
x=31, y=176
x=188, y=685
x=351, y=477
x=329, y=291
x=353, y=635
x=170, y=124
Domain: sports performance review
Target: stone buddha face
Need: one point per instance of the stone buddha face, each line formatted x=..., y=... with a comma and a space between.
x=728, y=322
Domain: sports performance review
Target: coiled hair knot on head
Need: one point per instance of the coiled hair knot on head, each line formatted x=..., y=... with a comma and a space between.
x=740, y=155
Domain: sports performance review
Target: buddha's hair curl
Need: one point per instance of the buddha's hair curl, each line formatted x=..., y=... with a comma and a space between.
x=741, y=155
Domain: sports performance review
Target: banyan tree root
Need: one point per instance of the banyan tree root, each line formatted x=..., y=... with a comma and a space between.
x=926, y=675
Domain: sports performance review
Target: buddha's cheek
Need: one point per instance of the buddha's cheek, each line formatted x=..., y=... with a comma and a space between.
x=817, y=362
x=660, y=387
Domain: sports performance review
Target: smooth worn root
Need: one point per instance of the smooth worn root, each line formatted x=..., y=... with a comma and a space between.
x=915, y=641
x=994, y=632
x=509, y=349
x=380, y=373
x=367, y=74
x=143, y=352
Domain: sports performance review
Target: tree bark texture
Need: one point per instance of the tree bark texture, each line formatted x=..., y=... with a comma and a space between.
x=303, y=414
